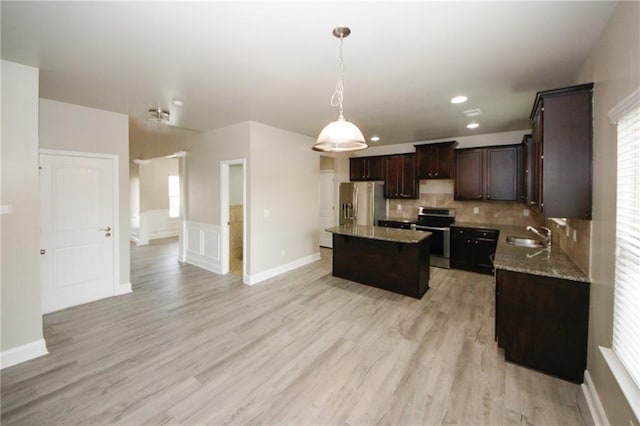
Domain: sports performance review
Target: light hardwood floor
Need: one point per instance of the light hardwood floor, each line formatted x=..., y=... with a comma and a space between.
x=192, y=347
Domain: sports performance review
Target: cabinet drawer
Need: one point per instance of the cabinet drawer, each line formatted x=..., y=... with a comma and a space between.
x=461, y=232
x=489, y=234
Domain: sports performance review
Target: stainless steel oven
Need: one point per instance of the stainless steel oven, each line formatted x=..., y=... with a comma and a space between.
x=437, y=221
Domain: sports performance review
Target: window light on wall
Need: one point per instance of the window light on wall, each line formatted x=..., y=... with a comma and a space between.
x=174, y=196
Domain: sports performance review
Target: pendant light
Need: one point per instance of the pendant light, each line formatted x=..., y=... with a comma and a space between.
x=340, y=135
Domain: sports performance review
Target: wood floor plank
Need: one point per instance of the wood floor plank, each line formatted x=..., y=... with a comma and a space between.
x=191, y=347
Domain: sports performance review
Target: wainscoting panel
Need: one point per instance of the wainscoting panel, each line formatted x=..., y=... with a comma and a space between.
x=202, y=246
x=154, y=224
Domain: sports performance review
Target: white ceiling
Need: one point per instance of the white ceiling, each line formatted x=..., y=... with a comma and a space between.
x=277, y=63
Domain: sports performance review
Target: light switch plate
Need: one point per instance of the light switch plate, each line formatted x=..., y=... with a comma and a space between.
x=476, y=210
x=5, y=209
x=267, y=213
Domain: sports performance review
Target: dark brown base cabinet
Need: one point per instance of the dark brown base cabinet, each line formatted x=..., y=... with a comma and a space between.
x=472, y=249
x=399, y=267
x=542, y=323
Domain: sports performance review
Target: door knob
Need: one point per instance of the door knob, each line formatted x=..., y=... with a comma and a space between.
x=107, y=229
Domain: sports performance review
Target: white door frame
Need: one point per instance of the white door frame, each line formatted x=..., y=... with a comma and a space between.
x=224, y=216
x=115, y=159
x=333, y=190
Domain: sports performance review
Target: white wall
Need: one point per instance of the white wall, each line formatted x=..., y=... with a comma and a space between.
x=20, y=234
x=614, y=67
x=284, y=177
x=154, y=183
x=76, y=128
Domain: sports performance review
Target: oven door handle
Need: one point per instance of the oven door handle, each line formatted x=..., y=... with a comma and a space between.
x=430, y=228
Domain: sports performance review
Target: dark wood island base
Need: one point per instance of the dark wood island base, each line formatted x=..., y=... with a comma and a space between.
x=391, y=259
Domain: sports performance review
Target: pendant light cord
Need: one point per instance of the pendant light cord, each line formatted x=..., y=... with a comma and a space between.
x=338, y=94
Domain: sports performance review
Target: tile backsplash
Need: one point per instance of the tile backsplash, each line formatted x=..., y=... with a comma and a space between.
x=440, y=194
x=573, y=239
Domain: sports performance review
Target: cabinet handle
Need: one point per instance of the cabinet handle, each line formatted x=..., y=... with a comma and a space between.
x=533, y=203
x=476, y=242
x=436, y=173
x=488, y=196
x=478, y=197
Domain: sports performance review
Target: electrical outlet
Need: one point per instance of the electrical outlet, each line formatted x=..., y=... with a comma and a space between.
x=476, y=210
x=283, y=252
x=574, y=235
x=525, y=212
x=267, y=213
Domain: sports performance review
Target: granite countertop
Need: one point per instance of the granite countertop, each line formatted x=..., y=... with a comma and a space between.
x=513, y=258
x=380, y=233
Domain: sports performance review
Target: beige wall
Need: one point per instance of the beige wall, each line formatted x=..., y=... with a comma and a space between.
x=76, y=128
x=154, y=183
x=614, y=67
x=284, y=178
x=21, y=311
x=203, y=169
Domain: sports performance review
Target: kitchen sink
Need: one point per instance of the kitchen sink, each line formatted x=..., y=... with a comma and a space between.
x=523, y=242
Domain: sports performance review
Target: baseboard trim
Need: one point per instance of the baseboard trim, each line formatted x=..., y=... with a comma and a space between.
x=270, y=273
x=593, y=401
x=202, y=262
x=23, y=353
x=123, y=288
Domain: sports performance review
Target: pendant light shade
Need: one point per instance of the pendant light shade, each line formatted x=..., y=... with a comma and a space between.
x=340, y=135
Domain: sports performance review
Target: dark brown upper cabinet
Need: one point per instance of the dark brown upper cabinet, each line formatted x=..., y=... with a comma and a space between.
x=489, y=173
x=436, y=161
x=400, y=178
x=563, y=153
x=469, y=181
x=366, y=168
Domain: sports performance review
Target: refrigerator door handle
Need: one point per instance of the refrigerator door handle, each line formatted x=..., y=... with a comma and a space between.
x=355, y=207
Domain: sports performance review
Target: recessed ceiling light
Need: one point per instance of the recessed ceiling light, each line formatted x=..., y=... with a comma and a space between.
x=459, y=99
x=177, y=102
x=473, y=125
x=375, y=138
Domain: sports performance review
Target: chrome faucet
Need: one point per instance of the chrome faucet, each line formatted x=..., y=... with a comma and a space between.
x=546, y=239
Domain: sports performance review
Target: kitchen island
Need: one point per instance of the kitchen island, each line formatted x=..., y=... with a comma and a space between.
x=391, y=259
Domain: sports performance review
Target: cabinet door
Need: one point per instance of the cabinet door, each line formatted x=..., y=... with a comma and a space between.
x=424, y=160
x=408, y=178
x=375, y=168
x=567, y=156
x=533, y=163
x=391, y=177
x=483, y=252
x=356, y=169
x=502, y=174
x=460, y=249
x=469, y=180
x=445, y=160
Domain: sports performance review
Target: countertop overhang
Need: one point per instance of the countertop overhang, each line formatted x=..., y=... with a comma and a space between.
x=405, y=236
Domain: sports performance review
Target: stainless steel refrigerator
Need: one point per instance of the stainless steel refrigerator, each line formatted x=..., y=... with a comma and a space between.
x=362, y=203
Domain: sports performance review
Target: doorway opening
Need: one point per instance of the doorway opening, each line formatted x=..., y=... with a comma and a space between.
x=233, y=217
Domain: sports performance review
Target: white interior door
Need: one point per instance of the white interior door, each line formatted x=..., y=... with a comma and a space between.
x=77, y=220
x=327, y=207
